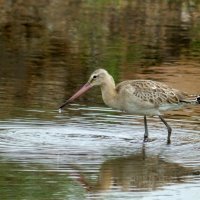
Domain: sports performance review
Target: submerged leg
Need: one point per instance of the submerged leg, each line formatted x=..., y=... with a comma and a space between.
x=146, y=134
x=169, y=129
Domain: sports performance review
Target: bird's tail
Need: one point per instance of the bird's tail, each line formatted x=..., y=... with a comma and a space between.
x=192, y=100
x=198, y=100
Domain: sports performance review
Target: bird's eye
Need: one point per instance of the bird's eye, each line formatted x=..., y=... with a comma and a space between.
x=95, y=76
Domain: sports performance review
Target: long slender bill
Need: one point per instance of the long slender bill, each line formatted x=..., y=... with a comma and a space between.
x=83, y=89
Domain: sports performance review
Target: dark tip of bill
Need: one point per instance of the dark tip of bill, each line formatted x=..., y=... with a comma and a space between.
x=63, y=105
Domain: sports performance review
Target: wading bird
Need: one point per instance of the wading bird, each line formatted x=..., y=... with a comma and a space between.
x=140, y=97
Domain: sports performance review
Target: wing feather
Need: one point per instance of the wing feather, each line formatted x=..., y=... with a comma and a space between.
x=152, y=92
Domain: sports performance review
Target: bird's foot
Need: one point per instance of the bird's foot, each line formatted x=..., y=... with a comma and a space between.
x=146, y=139
x=168, y=141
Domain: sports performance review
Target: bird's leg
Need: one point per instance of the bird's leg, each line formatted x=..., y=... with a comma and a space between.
x=146, y=129
x=169, y=129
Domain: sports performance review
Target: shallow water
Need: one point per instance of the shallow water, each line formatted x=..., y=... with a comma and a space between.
x=98, y=155
x=90, y=151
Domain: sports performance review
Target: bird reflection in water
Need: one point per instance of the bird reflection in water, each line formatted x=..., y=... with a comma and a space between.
x=137, y=172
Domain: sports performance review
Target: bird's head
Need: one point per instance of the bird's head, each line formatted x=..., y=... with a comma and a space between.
x=98, y=77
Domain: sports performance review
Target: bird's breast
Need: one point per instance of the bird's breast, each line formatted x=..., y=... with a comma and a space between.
x=140, y=109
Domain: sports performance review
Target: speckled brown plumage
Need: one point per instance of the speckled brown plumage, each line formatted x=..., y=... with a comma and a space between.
x=152, y=91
